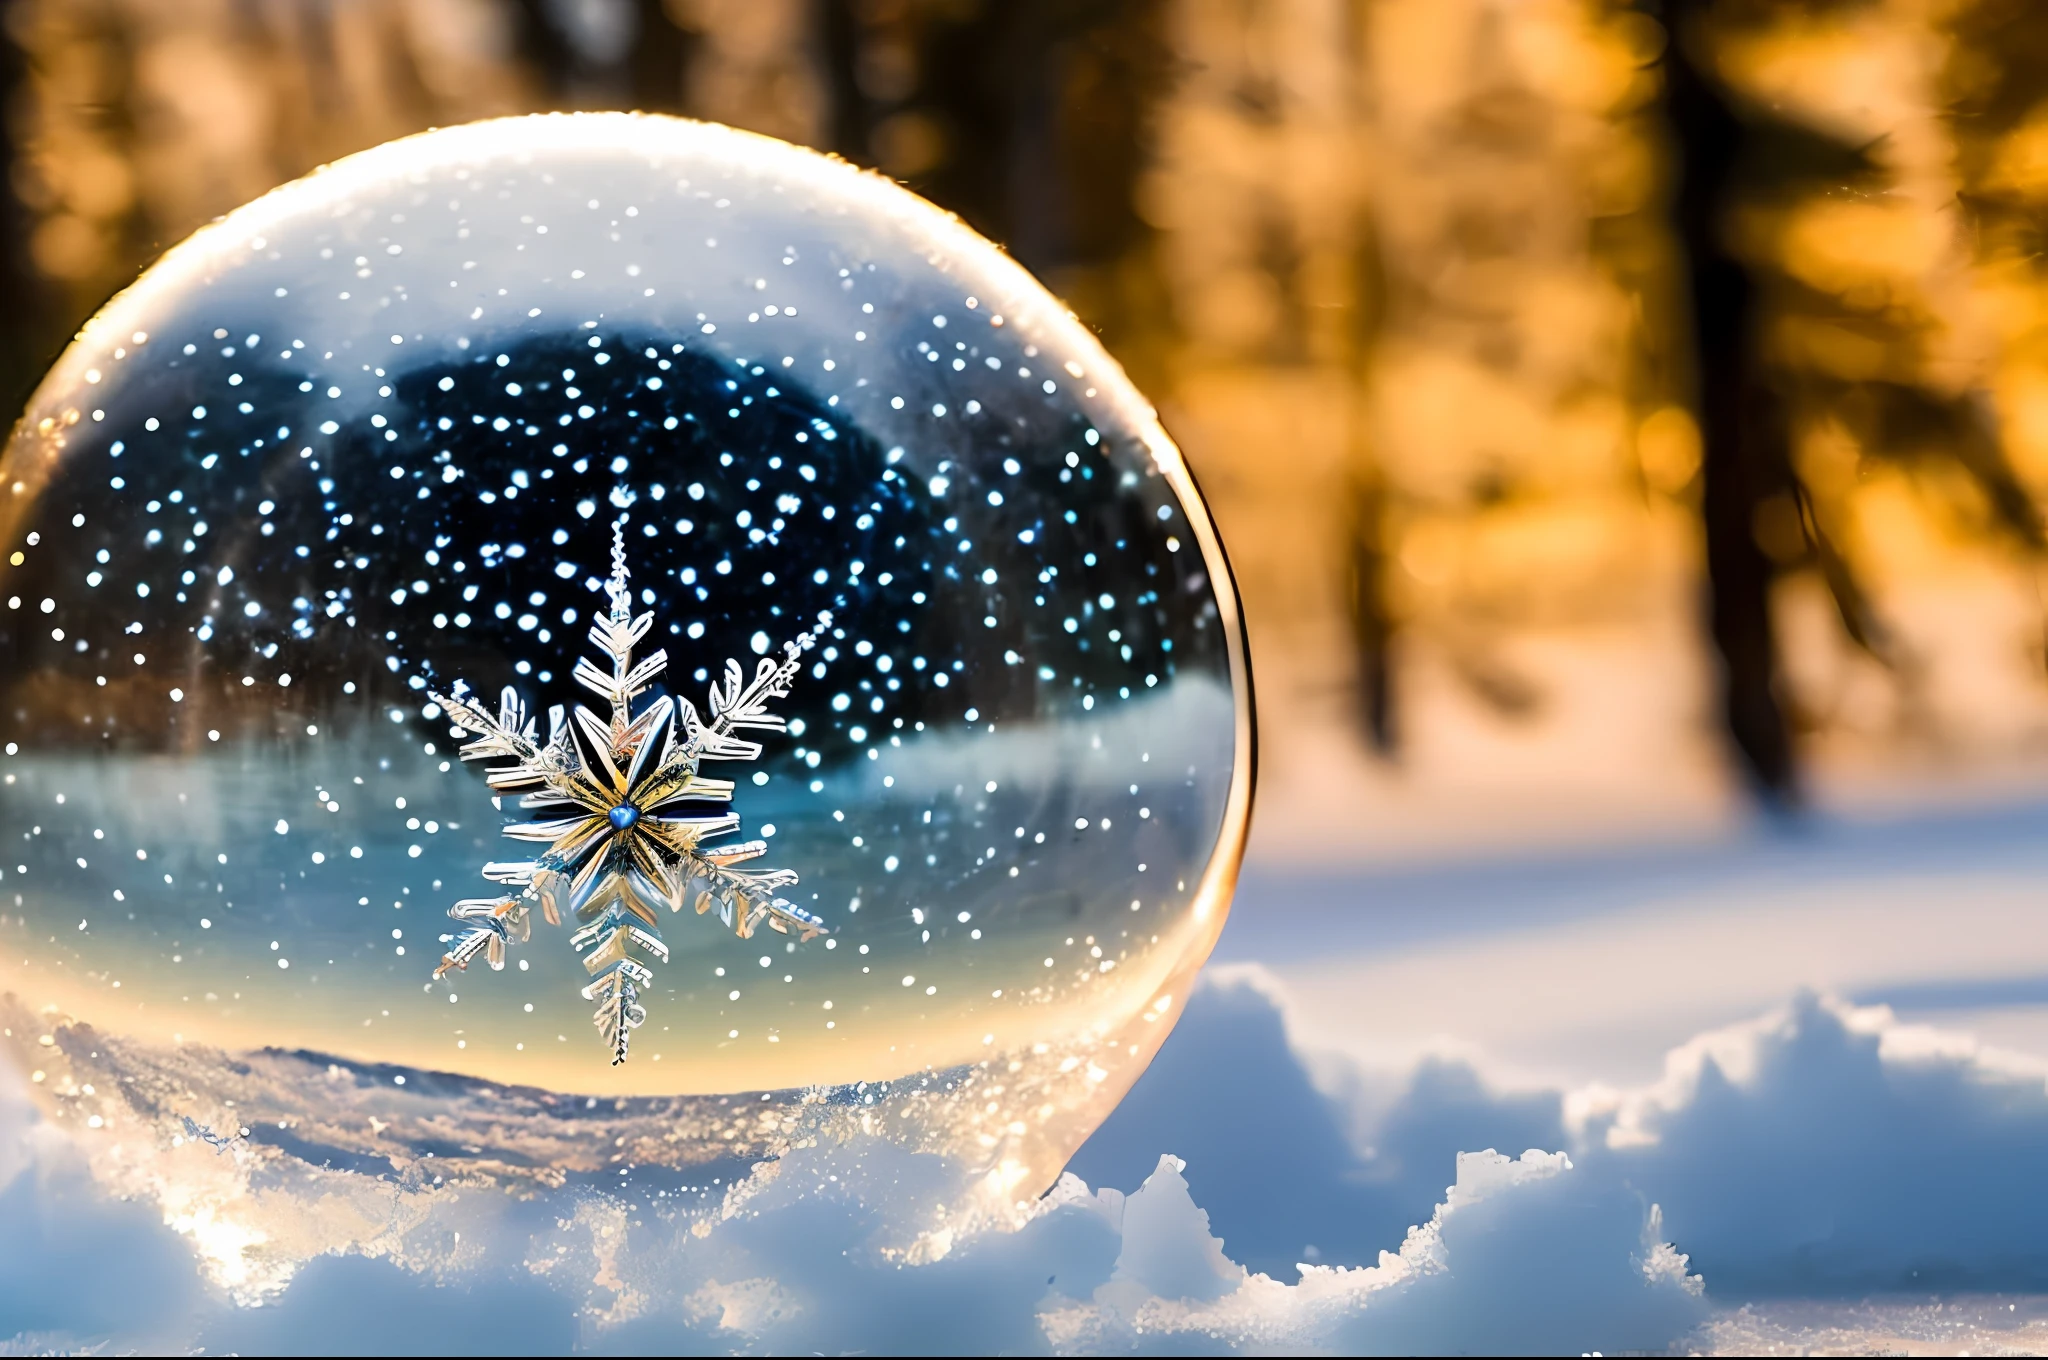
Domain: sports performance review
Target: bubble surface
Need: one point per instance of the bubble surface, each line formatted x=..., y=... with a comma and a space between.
x=371, y=435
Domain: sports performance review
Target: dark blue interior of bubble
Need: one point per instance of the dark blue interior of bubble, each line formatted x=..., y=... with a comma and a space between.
x=460, y=527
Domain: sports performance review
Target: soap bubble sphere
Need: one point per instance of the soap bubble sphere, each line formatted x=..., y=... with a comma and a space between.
x=373, y=435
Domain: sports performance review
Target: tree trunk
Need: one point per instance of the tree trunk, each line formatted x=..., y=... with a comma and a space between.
x=1744, y=430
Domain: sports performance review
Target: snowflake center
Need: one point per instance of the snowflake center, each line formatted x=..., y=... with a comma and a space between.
x=623, y=816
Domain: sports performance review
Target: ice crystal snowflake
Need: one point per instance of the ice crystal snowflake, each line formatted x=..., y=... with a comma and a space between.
x=613, y=798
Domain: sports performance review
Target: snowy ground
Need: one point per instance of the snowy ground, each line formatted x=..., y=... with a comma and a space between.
x=1590, y=966
x=1783, y=1091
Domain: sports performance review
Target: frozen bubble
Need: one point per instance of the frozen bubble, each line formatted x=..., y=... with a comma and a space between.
x=1015, y=640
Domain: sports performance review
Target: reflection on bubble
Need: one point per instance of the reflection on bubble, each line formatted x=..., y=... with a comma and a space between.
x=371, y=435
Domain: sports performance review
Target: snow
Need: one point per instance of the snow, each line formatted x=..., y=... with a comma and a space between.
x=1521, y=1257
x=1813, y=1170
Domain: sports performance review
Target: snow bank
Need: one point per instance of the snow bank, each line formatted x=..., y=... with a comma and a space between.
x=1519, y=1260
x=1828, y=1149
x=1523, y=1258
x=1820, y=1148
x=1228, y=1077
x=813, y=1253
x=74, y=1262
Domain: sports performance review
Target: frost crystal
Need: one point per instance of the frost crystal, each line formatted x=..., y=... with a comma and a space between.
x=614, y=802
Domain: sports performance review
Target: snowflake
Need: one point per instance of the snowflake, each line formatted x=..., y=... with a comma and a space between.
x=616, y=800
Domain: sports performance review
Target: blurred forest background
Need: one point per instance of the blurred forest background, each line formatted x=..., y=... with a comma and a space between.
x=1617, y=414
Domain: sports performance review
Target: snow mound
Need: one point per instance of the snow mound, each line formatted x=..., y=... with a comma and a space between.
x=1824, y=1149
x=1828, y=1149
x=840, y=1248
x=1523, y=1258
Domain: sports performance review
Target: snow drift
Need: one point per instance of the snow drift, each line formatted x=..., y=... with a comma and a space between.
x=1821, y=1148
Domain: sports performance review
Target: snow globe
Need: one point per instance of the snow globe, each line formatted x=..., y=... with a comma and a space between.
x=598, y=643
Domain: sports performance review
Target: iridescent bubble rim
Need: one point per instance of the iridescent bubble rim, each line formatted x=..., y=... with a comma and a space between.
x=56, y=420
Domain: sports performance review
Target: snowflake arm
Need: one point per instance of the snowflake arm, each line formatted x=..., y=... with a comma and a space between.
x=496, y=922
